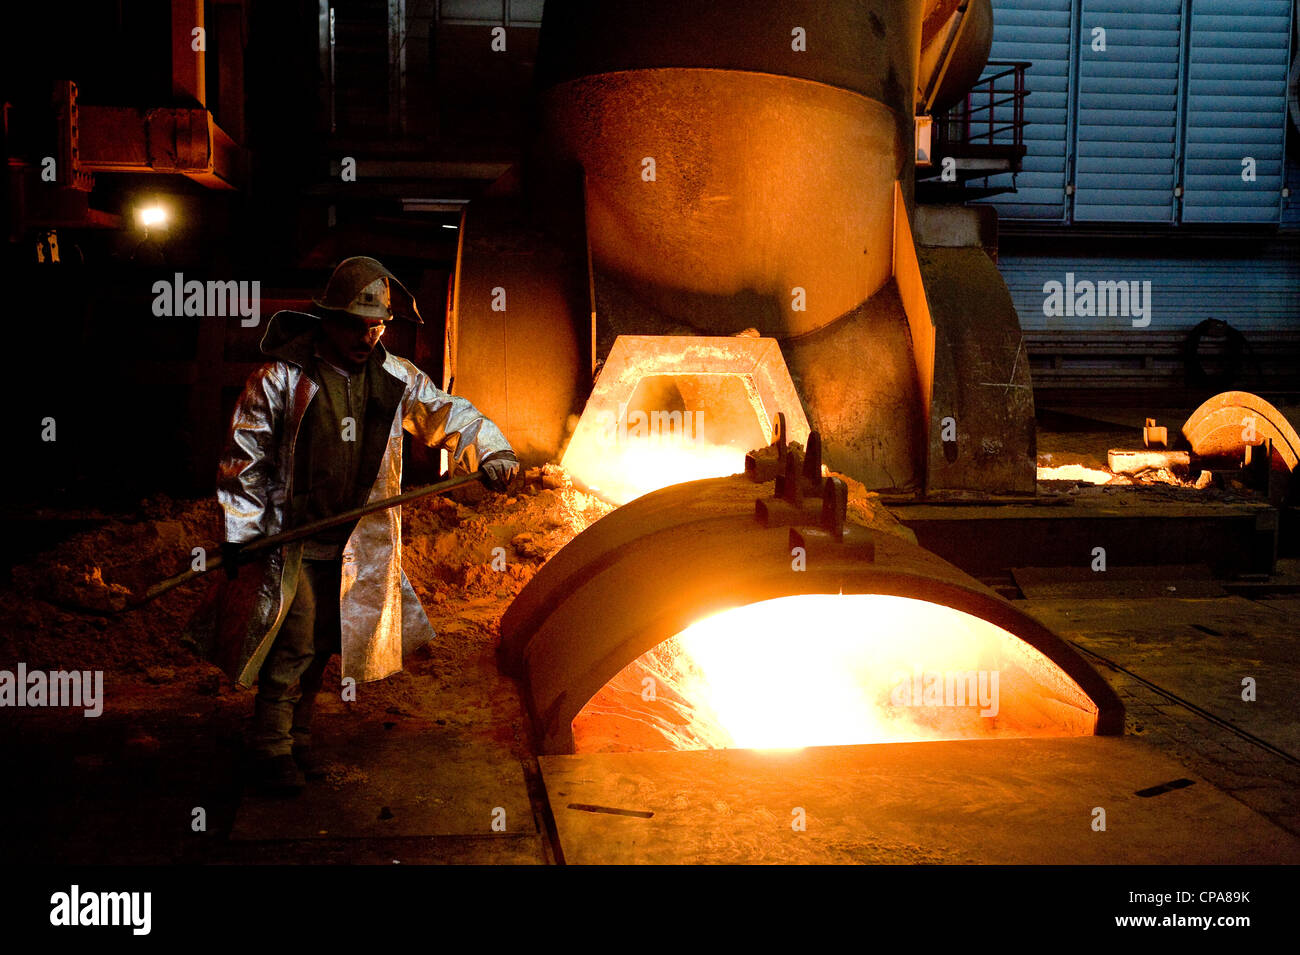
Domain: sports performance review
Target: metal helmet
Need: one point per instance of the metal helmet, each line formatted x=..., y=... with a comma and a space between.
x=361, y=286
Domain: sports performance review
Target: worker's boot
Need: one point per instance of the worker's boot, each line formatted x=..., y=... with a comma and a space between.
x=277, y=776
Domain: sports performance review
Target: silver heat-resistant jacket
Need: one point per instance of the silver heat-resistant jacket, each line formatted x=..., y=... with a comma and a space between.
x=378, y=610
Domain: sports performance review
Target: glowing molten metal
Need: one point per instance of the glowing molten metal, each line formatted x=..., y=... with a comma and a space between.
x=670, y=409
x=823, y=669
x=625, y=473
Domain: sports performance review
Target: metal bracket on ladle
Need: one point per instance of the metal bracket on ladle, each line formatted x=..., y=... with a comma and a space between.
x=795, y=481
x=815, y=508
x=766, y=463
x=833, y=535
x=798, y=478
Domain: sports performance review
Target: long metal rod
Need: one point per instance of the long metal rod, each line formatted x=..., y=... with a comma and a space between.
x=305, y=531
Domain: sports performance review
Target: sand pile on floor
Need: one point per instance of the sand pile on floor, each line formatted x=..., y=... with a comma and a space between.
x=466, y=557
x=480, y=544
x=57, y=611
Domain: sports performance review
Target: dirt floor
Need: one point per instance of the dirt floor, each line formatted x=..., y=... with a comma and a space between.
x=169, y=739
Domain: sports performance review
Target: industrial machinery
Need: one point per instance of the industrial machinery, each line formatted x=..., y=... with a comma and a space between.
x=714, y=234
x=822, y=628
x=723, y=169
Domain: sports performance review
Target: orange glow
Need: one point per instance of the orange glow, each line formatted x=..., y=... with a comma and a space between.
x=153, y=216
x=1078, y=472
x=622, y=474
x=668, y=409
x=1086, y=475
x=822, y=669
x=672, y=429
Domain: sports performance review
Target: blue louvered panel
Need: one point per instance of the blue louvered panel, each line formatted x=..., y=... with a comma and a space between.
x=1127, y=118
x=1255, y=289
x=1038, y=31
x=1236, y=108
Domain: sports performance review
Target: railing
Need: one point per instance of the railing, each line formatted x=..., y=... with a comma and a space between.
x=993, y=112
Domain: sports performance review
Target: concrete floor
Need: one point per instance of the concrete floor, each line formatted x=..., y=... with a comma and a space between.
x=1183, y=661
x=1028, y=802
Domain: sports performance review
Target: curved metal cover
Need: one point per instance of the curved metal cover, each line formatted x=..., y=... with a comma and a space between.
x=1226, y=424
x=650, y=569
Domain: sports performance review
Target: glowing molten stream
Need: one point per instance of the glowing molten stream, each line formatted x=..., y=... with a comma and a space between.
x=1075, y=472
x=626, y=473
x=821, y=669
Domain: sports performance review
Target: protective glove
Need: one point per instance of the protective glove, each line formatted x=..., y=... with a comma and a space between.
x=230, y=553
x=499, y=469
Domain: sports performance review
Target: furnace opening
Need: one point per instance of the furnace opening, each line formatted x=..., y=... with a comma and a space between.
x=674, y=428
x=719, y=410
x=666, y=410
x=822, y=669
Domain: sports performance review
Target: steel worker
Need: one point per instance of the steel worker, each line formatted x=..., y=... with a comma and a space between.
x=316, y=432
